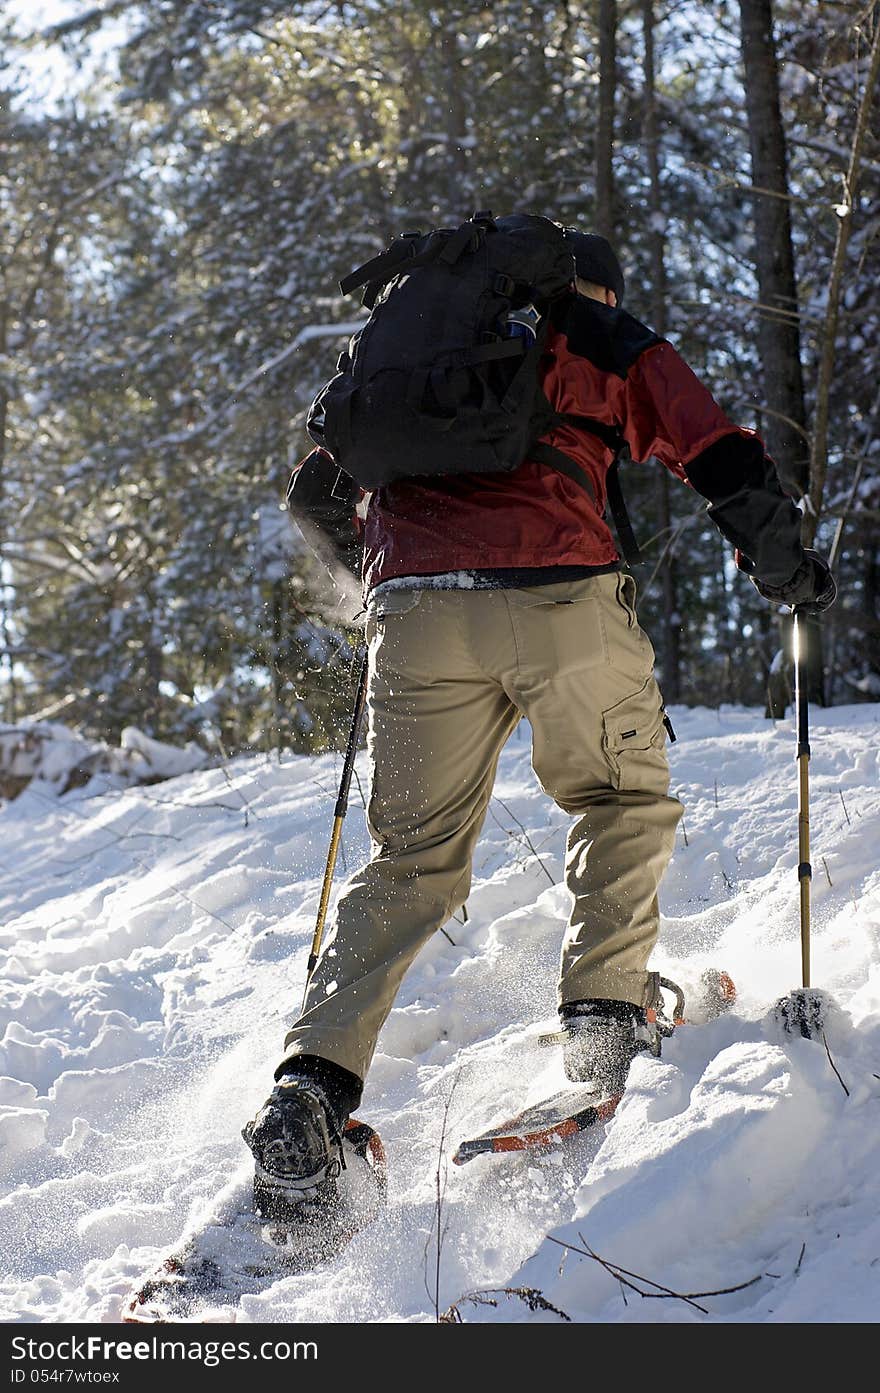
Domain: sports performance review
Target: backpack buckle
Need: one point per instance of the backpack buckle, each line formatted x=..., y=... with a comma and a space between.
x=504, y=285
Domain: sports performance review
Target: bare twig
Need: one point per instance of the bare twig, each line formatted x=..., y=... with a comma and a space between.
x=630, y=1279
x=525, y=836
x=621, y=1275
x=235, y=789
x=224, y=757
x=96, y=850
x=827, y=873
x=359, y=789
x=844, y=210
x=845, y=811
x=833, y=1065
x=138, y=791
x=534, y=1299
x=669, y=550
x=175, y=890
x=842, y=519
x=765, y=410
x=440, y=1191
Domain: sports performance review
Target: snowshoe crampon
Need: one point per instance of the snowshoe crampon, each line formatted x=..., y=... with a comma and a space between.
x=237, y=1250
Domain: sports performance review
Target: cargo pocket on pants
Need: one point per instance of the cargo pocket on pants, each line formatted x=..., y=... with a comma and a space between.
x=634, y=741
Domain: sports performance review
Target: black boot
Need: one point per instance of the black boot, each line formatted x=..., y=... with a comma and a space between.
x=296, y=1138
x=602, y=1038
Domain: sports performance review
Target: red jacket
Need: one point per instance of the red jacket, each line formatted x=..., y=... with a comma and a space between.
x=604, y=364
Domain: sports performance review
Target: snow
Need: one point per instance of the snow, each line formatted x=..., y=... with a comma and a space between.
x=59, y=758
x=311, y=331
x=442, y=580
x=153, y=949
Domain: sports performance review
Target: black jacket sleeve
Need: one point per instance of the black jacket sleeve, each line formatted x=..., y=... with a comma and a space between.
x=748, y=506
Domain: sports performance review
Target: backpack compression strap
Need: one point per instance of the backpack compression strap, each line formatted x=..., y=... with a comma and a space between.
x=443, y=245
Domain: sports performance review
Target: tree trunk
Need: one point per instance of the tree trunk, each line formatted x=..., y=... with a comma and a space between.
x=819, y=462
x=671, y=631
x=778, y=322
x=279, y=629
x=5, y=236
x=456, y=121
x=11, y=713
x=605, y=128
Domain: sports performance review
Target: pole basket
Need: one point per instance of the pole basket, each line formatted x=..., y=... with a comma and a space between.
x=804, y=1012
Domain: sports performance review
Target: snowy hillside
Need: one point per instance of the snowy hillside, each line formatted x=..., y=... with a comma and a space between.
x=154, y=942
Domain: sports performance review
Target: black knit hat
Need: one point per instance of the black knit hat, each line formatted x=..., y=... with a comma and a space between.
x=595, y=261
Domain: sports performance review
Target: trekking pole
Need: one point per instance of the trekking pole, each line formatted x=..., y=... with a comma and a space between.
x=805, y=870
x=803, y=1012
x=338, y=818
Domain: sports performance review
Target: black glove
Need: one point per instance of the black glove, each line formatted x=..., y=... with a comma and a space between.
x=321, y=499
x=812, y=586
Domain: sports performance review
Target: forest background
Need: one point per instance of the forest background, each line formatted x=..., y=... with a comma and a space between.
x=183, y=184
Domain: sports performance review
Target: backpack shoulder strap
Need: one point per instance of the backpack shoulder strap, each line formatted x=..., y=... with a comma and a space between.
x=557, y=459
x=617, y=504
x=612, y=437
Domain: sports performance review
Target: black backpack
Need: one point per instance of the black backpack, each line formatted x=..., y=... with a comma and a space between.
x=435, y=382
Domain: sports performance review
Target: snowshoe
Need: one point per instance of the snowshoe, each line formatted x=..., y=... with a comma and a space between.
x=595, y=1100
x=541, y=1127
x=236, y=1250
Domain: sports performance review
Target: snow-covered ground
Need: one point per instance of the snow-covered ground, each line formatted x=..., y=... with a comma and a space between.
x=154, y=943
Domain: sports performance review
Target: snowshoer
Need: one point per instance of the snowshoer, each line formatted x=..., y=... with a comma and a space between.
x=492, y=597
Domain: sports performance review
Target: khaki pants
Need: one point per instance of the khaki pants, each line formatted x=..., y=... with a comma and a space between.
x=451, y=673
